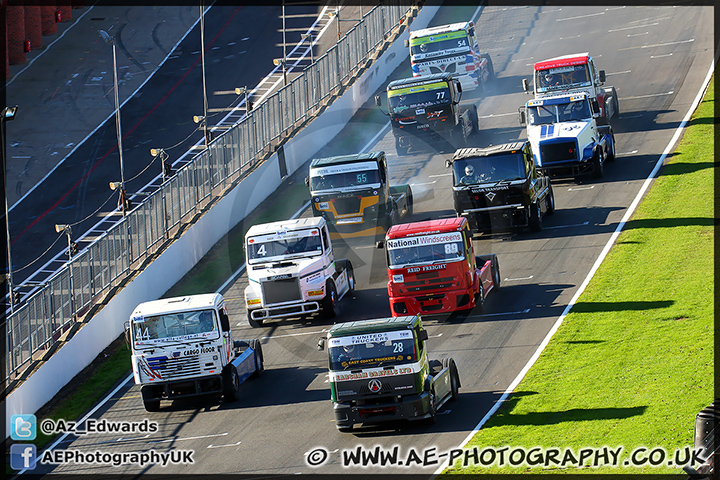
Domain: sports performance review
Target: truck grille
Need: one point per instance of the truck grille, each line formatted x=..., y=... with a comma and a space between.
x=558, y=152
x=170, y=368
x=281, y=291
x=345, y=205
x=429, y=284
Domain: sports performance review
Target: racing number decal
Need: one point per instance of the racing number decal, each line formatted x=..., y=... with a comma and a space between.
x=397, y=347
x=261, y=250
x=440, y=94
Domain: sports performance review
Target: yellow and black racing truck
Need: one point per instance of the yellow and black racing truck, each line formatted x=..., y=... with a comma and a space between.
x=380, y=372
x=353, y=193
x=425, y=111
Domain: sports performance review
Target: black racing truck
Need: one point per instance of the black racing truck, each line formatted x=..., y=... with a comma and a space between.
x=498, y=188
x=426, y=111
x=380, y=372
x=353, y=193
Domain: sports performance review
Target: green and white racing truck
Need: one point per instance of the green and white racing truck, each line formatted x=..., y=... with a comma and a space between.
x=380, y=372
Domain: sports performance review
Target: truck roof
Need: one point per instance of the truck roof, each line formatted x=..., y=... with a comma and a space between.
x=294, y=224
x=487, y=151
x=178, y=304
x=357, y=157
x=406, y=82
x=563, y=61
x=374, y=325
x=423, y=32
x=426, y=227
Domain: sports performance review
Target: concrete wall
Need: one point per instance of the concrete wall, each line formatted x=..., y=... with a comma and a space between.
x=184, y=253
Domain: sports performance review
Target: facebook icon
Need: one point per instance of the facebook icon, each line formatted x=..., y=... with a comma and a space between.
x=22, y=456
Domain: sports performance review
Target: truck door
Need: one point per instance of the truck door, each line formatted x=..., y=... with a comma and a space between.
x=469, y=251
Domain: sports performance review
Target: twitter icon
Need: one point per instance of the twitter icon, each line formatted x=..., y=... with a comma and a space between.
x=23, y=427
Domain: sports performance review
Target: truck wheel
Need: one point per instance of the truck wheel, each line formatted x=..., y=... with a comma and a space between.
x=254, y=323
x=231, y=384
x=259, y=360
x=496, y=273
x=480, y=300
x=454, y=377
x=611, y=149
x=490, y=68
x=350, y=276
x=150, y=403
x=329, y=303
x=433, y=407
x=535, y=217
x=475, y=121
x=409, y=202
x=597, y=165
x=401, y=151
x=550, y=202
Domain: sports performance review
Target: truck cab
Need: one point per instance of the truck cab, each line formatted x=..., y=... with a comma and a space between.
x=433, y=269
x=292, y=271
x=452, y=49
x=565, y=136
x=498, y=188
x=426, y=111
x=575, y=73
x=183, y=347
x=353, y=193
x=379, y=372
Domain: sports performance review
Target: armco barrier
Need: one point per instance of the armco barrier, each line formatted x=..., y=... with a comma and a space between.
x=183, y=254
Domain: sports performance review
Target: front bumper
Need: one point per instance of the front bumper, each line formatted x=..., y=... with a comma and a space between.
x=383, y=409
x=432, y=303
x=190, y=387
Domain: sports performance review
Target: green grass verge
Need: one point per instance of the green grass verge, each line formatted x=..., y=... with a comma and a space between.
x=632, y=363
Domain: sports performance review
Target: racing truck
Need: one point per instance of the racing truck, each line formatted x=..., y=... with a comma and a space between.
x=450, y=49
x=183, y=347
x=426, y=111
x=353, y=193
x=380, y=372
x=565, y=136
x=433, y=269
x=575, y=73
x=499, y=189
x=292, y=271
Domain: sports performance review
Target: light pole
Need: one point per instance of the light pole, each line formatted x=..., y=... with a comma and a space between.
x=8, y=114
x=165, y=167
x=202, y=58
x=72, y=248
x=309, y=37
x=244, y=91
x=111, y=40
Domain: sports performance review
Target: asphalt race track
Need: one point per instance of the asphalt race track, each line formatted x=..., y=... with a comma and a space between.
x=656, y=57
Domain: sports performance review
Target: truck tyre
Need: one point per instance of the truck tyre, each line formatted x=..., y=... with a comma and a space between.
x=550, y=201
x=350, y=277
x=475, y=123
x=231, y=384
x=401, y=151
x=496, y=273
x=535, y=221
x=490, y=68
x=150, y=403
x=454, y=377
x=259, y=360
x=329, y=303
x=432, y=418
x=597, y=165
x=409, y=202
x=611, y=149
x=254, y=323
x=480, y=300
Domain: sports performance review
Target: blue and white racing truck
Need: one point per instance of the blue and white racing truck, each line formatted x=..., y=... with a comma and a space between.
x=183, y=347
x=565, y=135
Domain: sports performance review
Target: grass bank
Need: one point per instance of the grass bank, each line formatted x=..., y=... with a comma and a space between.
x=632, y=363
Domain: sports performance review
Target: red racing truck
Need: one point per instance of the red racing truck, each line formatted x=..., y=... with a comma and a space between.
x=433, y=269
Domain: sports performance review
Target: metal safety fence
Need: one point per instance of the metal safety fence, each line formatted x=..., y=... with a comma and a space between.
x=35, y=328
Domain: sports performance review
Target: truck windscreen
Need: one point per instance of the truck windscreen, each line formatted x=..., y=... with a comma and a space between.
x=495, y=168
x=424, y=249
x=402, y=99
x=562, y=112
x=153, y=329
x=562, y=78
x=263, y=248
x=452, y=43
x=334, y=181
x=372, y=350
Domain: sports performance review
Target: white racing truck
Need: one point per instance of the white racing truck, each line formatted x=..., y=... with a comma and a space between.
x=574, y=73
x=565, y=136
x=183, y=347
x=450, y=49
x=292, y=271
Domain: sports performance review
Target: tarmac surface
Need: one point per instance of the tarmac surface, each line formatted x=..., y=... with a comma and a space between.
x=64, y=91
